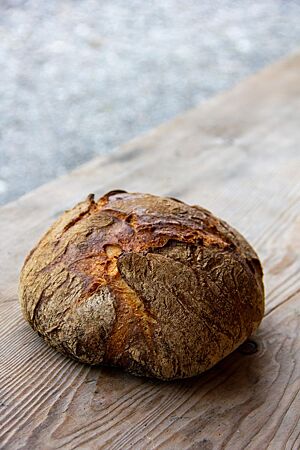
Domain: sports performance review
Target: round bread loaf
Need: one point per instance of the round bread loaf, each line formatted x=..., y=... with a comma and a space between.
x=145, y=283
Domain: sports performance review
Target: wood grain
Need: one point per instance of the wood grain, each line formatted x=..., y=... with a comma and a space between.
x=237, y=155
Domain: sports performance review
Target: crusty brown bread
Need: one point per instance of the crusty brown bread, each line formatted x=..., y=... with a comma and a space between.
x=149, y=284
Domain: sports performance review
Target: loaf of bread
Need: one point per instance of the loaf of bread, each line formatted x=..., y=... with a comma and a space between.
x=145, y=283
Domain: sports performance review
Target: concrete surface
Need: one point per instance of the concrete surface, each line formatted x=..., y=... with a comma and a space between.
x=77, y=78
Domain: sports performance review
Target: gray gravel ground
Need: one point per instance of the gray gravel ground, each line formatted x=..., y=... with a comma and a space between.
x=77, y=78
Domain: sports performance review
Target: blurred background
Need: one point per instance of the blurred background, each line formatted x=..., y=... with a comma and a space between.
x=79, y=77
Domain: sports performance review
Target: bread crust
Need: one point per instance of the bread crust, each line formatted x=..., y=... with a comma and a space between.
x=145, y=283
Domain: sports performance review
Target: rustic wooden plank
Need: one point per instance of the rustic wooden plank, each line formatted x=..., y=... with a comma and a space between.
x=237, y=155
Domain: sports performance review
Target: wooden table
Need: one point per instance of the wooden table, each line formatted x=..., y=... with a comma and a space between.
x=239, y=156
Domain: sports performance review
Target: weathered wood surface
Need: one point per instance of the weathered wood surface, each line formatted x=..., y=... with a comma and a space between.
x=237, y=155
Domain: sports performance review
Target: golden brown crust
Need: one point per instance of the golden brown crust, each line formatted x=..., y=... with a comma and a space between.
x=146, y=283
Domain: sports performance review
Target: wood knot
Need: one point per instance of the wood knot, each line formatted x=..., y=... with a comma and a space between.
x=248, y=347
